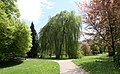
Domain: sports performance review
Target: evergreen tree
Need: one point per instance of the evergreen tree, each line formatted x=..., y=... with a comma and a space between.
x=34, y=49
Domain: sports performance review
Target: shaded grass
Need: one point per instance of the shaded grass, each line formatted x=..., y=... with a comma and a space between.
x=32, y=67
x=9, y=63
x=99, y=64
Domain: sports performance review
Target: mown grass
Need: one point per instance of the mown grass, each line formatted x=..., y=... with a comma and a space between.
x=30, y=67
x=99, y=64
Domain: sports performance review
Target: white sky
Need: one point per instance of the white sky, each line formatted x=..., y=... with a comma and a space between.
x=31, y=10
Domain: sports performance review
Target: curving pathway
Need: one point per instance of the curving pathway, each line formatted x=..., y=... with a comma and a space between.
x=68, y=67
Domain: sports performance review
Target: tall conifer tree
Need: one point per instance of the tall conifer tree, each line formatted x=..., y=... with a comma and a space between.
x=34, y=49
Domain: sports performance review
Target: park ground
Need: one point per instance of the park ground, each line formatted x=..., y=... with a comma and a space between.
x=98, y=64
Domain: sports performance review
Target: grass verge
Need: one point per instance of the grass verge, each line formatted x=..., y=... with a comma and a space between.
x=99, y=64
x=32, y=67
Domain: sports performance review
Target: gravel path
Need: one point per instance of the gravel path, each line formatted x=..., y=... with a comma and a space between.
x=68, y=67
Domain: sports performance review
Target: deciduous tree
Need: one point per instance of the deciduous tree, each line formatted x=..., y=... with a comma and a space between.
x=15, y=35
x=60, y=35
x=103, y=16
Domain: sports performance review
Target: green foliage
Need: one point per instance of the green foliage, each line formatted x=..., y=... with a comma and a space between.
x=15, y=36
x=99, y=64
x=23, y=39
x=10, y=8
x=15, y=39
x=32, y=67
x=80, y=55
x=34, y=49
x=60, y=35
x=95, y=49
x=85, y=48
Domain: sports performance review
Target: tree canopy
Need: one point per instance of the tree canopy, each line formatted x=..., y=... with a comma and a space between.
x=60, y=35
x=103, y=17
x=15, y=35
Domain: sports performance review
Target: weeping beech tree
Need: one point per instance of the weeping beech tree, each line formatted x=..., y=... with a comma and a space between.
x=60, y=35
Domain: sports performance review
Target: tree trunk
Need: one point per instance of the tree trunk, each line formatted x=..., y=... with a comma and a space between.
x=57, y=56
x=111, y=51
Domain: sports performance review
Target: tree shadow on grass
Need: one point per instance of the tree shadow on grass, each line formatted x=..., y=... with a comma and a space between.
x=10, y=63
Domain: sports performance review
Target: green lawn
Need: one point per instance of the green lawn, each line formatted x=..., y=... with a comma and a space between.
x=31, y=67
x=99, y=64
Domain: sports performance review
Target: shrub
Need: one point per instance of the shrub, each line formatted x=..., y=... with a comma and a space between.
x=85, y=49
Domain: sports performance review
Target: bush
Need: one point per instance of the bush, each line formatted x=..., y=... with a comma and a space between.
x=95, y=49
x=85, y=49
x=80, y=55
